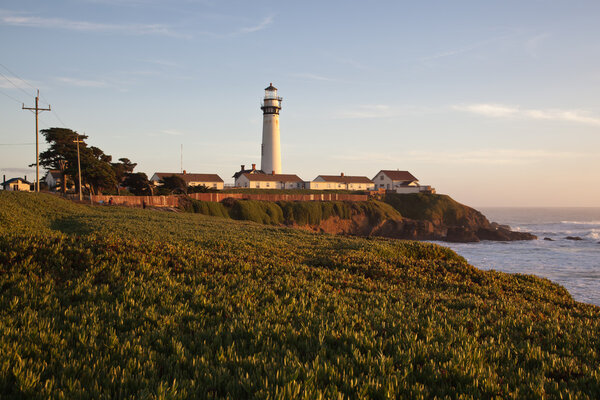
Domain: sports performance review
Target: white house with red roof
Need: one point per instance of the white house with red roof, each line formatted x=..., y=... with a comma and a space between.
x=340, y=182
x=268, y=181
x=213, y=181
x=400, y=182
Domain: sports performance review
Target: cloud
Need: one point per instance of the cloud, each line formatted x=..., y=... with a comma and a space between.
x=82, y=82
x=172, y=132
x=469, y=157
x=23, y=20
x=19, y=171
x=259, y=27
x=488, y=110
x=489, y=156
x=504, y=111
x=16, y=83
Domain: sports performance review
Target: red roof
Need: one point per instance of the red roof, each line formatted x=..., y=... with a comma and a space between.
x=396, y=175
x=272, y=178
x=191, y=177
x=345, y=179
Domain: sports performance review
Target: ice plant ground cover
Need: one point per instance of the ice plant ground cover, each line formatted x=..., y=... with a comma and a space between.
x=110, y=302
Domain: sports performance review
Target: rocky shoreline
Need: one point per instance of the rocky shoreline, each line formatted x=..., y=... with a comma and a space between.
x=427, y=217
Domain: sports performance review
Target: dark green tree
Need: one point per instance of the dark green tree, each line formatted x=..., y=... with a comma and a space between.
x=97, y=170
x=138, y=184
x=122, y=169
x=174, y=184
x=62, y=153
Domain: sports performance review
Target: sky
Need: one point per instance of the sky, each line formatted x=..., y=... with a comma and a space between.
x=494, y=103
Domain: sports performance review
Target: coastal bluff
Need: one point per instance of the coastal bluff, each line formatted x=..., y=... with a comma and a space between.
x=417, y=216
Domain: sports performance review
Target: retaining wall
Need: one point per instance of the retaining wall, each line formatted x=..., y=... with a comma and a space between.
x=174, y=200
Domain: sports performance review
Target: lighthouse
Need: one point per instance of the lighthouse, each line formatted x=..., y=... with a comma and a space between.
x=270, y=162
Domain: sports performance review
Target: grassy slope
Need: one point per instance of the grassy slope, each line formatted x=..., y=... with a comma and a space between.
x=294, y=212
x=108, y=302
x=437, y=208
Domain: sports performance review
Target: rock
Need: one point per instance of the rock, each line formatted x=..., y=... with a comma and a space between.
x=459, y=234
x=549, y=239
x=495, y=225
x=573, y=238
x=503, y=235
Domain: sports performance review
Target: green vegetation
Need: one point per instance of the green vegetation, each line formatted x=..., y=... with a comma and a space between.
x=110, y=302
x=437, y=208
x=293, y=212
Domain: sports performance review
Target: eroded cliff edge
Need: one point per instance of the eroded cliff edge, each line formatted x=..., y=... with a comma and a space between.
x=402, y=216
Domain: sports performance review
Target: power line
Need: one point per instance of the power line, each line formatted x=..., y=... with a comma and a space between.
x=31, y=86
x=16, y=144
x=15, y=85
x=17, y=76
x=10, y=97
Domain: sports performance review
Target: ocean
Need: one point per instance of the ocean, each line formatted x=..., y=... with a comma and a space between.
x=574, y=264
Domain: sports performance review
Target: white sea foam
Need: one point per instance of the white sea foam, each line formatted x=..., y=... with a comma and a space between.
x=594, y=234
x=581, y=222
x=572, y=263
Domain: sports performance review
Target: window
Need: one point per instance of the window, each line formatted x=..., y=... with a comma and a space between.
x=381, y=177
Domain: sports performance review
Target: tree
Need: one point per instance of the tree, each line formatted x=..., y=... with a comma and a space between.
x=174, y=184
x=122, y=169
x=62, y=153
x=201, y=189
x=138, y=184
x=97, y=170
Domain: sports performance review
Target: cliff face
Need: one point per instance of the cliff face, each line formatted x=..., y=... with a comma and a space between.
x=410, y=216
x=423, y=217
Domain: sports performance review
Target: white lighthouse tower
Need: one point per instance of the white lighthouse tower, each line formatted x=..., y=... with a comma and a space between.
x=270, y=162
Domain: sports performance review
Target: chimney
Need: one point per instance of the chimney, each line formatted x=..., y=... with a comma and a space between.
x=272, y=172
x=342, y=174
x=242, y=167
x=3, y=179
x=253, y=167
x=184, y=172
x=25, y=179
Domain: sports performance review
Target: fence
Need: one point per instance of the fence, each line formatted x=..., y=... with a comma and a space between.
x=175, y=200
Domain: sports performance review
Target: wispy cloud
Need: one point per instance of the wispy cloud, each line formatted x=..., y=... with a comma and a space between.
x=172, y=132
x=504, y=111
x=18, y=170
x=470, y=157
x=25, y=20
x=489, y=156
x=82, y=82
x=534, y=43
x=258, y=27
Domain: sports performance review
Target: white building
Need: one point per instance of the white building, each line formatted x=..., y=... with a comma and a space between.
x=266, y=181
x=270, y=152
x=17, y=185
x=209, y=180
x=400, y=182
x=340, y=182
x=53, y=179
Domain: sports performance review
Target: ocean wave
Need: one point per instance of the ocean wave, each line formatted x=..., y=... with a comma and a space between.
x=594, y=234
x=581, y=222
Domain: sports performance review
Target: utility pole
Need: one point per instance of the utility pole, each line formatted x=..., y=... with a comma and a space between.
x=181, y=158
x=79, y=166
x=37, y=140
